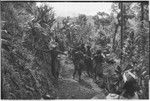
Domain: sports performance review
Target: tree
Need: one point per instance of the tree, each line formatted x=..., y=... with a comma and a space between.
x=81, y=20
x=20, y=55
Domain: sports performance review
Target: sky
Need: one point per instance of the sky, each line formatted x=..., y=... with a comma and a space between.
x=74, y=9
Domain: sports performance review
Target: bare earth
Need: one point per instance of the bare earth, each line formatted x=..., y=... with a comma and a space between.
x=68, y=88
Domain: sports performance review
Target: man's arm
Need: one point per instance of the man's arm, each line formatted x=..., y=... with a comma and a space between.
x=60, y=52
x=46, y=51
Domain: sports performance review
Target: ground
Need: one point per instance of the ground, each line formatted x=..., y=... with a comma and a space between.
x=69, y=88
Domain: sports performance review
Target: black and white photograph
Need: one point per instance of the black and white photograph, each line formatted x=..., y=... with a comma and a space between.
x=54, y=50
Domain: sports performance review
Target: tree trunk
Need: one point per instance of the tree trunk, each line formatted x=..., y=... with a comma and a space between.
x=142, y=11
x=114, y=38
x=142, y=28
x=122, y=29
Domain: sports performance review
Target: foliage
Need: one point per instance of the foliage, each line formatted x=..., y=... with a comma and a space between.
x=23, y=76
x=27, y=30
x=135, y=41
x=74, y=32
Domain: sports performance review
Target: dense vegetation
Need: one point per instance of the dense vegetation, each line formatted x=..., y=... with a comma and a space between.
x=27, y=30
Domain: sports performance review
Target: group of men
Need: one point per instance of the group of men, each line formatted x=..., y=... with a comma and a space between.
x=84, y=60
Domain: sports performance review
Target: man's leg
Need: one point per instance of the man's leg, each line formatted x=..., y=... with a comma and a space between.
x=53, y=68
x=79, y=73
x=75, y=69
x=74, y=73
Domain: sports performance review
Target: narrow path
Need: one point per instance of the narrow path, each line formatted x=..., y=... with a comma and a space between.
x=68, y=88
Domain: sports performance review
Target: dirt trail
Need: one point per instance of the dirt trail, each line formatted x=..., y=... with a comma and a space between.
x=68, y=88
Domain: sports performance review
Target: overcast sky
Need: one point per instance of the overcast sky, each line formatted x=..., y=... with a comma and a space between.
x=73, y=9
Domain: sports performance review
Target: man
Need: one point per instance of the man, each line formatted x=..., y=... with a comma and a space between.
x=98, y=60
x=130, y=87
x=55, y=64
x=78, y=60
x=82, y=48
x=88, y=61
x=88, y=51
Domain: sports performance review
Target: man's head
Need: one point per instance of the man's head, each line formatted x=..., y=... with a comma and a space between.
x=88, y=47
x=98, y=51
x=130, y=83
x=53, y=44
x=82, y=45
